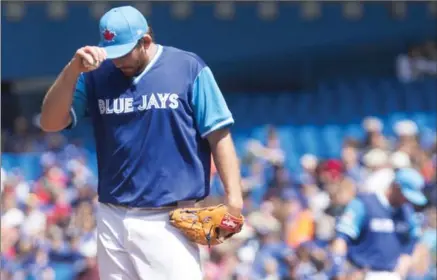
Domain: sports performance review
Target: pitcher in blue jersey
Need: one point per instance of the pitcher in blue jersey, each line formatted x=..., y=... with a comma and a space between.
x=378, y=231
x=158, y=115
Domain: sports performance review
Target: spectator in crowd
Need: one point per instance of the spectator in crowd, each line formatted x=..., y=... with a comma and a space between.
x=424, y=258
x=380, y=174
x=339, y=196
x=350, y=155
x=374, y=138
x=48, y=223
x=419, y=62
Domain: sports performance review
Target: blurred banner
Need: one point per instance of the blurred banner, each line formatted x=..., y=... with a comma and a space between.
x=248, y=45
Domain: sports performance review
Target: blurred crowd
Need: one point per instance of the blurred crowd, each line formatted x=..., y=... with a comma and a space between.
x=48, y=225
x=291, y=215
x=418, y=63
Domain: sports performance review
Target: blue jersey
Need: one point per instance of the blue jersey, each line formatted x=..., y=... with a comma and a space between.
x=377, y=234
x=151, y=130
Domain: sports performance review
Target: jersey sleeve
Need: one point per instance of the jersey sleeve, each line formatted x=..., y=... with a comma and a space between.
x=415, y=229
x=210, y=108
x=415, y=232
x=79, y=106
x=351, y=221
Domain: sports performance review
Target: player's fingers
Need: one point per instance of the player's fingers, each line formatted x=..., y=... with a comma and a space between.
x=84, y=54
x=90, y=54
x=86, y=58
x=94, y=52
x=98, y=54
x=102, y=54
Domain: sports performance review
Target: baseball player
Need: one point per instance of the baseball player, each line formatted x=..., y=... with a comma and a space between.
x=378, y=232
x=158, y=115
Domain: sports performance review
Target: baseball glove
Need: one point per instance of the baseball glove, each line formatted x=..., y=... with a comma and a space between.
x=208, y=225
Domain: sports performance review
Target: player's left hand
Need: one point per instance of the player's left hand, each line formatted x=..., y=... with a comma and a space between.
x=208, y=225
x=234, y=206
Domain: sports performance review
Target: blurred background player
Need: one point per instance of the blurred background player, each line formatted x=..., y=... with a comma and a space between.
x=323, y=110
x=378, y=232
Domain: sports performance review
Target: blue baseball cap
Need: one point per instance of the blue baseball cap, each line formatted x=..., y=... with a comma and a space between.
x=411, y=183
x=120, y=30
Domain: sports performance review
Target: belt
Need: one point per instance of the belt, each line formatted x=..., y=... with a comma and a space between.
x=185, y=203
x=177, y=204
x=352, y=265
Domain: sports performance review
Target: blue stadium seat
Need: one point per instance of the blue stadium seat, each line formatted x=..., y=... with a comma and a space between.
x=369, y=102
x=326, y=106
x=432, y=120
x=240, y=143
x=421, y=119
x=332, y=137
x=392, y=101
x=286, y=138
x=259, y=104
x=309, y=140
x=283, y=109
x=414, y=100
x=354, y=131
x=345, y=104
x=29, y=164
x=259, y=133
x=315, y=122
x=305, y=108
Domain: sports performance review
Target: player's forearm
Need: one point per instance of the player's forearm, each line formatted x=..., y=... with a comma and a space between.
x=226, y=161
x=55, y=113
x=339, y=251
x=403, y=266
x=339, y=247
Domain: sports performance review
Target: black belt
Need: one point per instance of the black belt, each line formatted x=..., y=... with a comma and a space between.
x=185, y=203
x=357, y=267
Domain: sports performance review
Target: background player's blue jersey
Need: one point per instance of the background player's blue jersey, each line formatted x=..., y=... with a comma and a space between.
x=377, y=234
x=150, y=131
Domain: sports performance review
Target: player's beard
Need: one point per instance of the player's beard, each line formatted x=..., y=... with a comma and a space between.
x=134, y=70
x=129, y=71
x=141, y=65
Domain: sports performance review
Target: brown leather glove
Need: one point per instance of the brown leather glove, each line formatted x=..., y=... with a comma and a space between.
x=208, y=225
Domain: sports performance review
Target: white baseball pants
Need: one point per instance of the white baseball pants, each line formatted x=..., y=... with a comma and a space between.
x=138, y=244
x=382, y=275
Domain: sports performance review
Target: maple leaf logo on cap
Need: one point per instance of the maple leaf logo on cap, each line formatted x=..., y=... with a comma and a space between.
x=108, y=35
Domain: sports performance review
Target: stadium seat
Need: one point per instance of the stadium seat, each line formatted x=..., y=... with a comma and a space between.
x=332, y=139
x=259, y=133
x=354, y=131
x=315, y=122
x=421, y=119
x=309, y=140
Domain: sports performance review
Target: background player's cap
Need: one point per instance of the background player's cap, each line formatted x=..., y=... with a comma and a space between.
x=120, y=30
x=411, y=183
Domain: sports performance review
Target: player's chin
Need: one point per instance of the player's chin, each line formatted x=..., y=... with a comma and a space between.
x=128, y=71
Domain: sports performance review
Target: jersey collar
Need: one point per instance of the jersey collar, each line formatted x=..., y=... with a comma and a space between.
x=383, y=200
x=150, y=65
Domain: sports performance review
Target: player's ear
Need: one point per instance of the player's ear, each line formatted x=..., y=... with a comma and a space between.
x=147, y=41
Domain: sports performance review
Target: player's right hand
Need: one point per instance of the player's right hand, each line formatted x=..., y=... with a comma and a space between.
x=88, y=58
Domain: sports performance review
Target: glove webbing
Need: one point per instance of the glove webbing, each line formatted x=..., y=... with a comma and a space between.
x=207, y=235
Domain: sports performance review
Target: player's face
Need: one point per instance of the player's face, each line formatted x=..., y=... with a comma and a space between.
x=398, y=199
x=134, y=62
